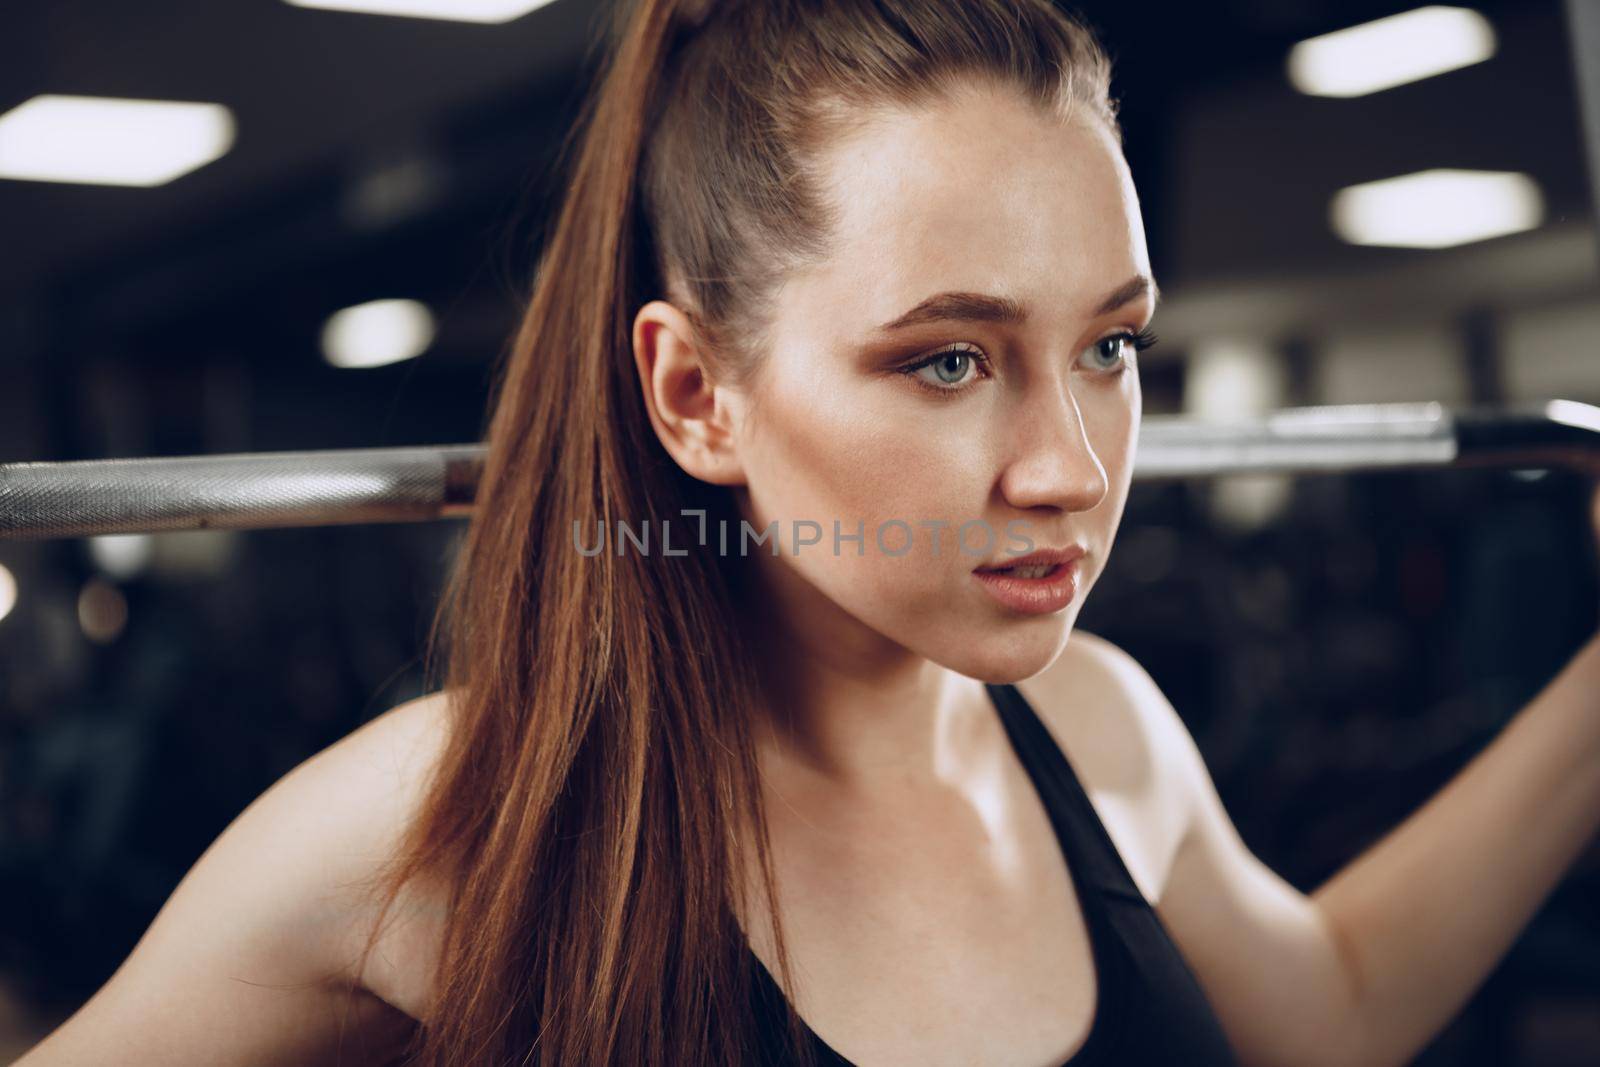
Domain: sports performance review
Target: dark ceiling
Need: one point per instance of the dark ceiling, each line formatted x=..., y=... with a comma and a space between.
x=389, y=156
x=317, y=95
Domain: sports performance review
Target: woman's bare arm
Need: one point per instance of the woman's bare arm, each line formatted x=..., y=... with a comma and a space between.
x=1425, y=914
x=1367, y=969
x=250, y=960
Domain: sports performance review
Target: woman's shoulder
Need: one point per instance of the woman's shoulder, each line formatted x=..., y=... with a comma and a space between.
x=382, y=770
x=1128, y=747
x=348, y=807
x=393, y=754
x=1100, y=698
x=252, y=957
x=335, y=822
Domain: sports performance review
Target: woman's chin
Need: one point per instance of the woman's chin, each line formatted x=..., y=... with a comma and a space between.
x=1012, y=653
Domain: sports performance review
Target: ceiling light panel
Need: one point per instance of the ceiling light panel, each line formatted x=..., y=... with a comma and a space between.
x=110, y=140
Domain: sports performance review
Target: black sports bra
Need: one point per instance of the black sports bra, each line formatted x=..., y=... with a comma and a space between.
x=1149, y=1009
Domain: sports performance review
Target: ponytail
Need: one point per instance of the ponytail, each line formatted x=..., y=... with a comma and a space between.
x=594, y=824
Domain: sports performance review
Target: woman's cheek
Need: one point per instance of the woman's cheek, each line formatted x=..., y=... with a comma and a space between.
x=853, y=461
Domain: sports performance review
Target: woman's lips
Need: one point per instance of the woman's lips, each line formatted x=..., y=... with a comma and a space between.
x=1043, y=557
x=1033, y=596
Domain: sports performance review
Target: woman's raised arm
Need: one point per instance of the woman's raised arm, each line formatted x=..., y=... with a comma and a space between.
x=1373, y=964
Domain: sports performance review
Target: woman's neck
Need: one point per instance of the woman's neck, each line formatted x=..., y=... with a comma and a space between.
x=846, y=705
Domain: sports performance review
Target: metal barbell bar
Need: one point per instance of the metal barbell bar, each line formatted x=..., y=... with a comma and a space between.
x=244, y=491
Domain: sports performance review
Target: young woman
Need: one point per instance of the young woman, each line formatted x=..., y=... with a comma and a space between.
x=872, y=271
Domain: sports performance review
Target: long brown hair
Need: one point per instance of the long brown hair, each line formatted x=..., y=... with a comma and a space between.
x=598, y=794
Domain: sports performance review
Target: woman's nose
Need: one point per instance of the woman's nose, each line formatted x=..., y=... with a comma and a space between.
x=1054, y=463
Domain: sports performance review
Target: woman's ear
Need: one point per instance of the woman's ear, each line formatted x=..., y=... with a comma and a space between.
x=690, y=413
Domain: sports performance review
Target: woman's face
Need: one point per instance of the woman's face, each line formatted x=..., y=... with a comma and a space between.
x=1029, y=420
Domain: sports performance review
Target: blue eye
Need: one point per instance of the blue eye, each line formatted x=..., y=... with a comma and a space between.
x=951, y=368
x=1120, y=349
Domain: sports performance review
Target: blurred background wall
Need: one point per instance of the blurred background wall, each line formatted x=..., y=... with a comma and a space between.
x=1339, y=644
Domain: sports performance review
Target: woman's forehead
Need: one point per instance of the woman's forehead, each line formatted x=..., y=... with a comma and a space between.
x=978, y=194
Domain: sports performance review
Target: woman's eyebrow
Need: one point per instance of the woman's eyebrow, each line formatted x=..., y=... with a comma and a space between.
x=1129, y=291
x=983, y=307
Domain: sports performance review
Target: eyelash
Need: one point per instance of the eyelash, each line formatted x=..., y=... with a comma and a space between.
x=1140, y=341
